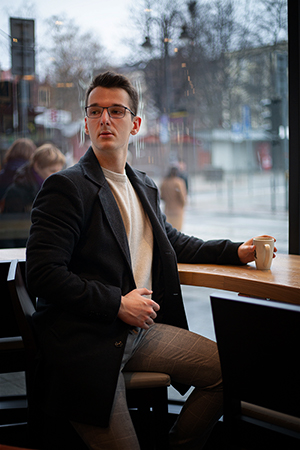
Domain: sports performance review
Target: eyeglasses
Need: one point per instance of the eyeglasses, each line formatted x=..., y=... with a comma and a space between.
x=115, y=112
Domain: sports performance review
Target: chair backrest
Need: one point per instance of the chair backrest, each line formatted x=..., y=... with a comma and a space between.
x=259, y=347
x=24, y=309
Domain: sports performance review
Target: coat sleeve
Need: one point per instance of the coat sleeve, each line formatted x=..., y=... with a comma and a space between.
x=58, y=217
x=192, y=250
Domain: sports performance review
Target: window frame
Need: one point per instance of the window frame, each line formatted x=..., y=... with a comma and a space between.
x=294, y=126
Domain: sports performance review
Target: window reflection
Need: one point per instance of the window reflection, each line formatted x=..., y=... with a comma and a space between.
x=212, y=78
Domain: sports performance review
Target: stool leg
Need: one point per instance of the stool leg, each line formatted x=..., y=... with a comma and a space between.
x=160, y=412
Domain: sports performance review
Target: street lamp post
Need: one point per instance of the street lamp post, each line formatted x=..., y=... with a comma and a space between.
x=166, y=25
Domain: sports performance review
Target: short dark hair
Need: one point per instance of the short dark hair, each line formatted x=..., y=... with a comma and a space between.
x=21, y=148
x=114, y=80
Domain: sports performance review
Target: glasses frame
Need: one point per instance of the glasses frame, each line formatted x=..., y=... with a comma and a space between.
x=107, y=107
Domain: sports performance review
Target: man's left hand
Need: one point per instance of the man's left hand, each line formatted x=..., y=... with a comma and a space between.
x=246, y=250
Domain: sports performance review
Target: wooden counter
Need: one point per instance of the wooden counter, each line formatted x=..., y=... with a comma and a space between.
x=281, y=282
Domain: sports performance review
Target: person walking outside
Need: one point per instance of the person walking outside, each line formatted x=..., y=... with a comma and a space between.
x=28, y=180
x=173, y=192
x=16, y=156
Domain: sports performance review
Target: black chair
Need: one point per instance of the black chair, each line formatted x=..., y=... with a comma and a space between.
x=259, y=348
x=13, y=407
x=13, y=401
x=146, y=391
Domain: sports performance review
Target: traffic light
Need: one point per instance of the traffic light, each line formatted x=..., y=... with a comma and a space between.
x=272, y=115
x=22, y=46
x=276, y=116
x=265, y=114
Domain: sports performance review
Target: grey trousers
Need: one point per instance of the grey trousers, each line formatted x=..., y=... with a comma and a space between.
x=188, y=358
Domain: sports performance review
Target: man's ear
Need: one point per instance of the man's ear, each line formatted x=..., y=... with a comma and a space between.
x=136, y=125
x=86, y=130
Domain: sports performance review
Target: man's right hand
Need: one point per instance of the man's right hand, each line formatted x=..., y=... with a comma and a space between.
x=137, y=310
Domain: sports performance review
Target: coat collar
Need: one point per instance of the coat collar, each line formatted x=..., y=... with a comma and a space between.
x=91, y=167
x=147, y=192
x=93, y=171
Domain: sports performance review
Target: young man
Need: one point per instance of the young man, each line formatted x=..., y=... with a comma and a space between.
x=103, y=262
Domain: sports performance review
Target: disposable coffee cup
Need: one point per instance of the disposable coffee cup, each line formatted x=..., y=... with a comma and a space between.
x=264, y=248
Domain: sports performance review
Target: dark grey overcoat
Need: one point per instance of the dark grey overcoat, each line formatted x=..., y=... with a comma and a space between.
x=78, y=264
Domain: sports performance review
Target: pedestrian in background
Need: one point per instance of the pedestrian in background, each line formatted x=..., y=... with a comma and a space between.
x=183, y=173
x=173, y=192
x=28, y=180
x=16, y=156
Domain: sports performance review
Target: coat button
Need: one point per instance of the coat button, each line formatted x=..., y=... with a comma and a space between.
x=119, y=344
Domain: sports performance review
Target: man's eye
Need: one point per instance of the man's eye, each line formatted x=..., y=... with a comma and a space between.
x=95, y=112
x=116, y=111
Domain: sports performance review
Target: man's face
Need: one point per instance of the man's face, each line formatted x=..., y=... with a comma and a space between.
x=110, y=135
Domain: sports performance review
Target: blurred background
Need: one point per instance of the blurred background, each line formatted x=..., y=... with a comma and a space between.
x=213, y=84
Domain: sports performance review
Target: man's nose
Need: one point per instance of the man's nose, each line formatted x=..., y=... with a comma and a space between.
x=105, y=116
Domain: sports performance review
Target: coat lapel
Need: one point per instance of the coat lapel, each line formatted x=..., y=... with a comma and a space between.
x=113, y=215
x=93, y=172
x=148, y=195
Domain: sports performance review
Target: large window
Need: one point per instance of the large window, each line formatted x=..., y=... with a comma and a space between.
x=213, y=80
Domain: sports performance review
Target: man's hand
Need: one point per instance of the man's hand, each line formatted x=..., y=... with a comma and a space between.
x=246, y=250
x=137, y=310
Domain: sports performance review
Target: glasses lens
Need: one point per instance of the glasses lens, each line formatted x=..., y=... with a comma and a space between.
x=94, y=111
x=116, y=112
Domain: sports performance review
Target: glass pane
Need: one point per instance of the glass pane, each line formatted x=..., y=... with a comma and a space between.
x=216, y=75
x=212, y=76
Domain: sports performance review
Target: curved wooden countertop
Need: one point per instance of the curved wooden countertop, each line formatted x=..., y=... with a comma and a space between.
x=281, y=282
